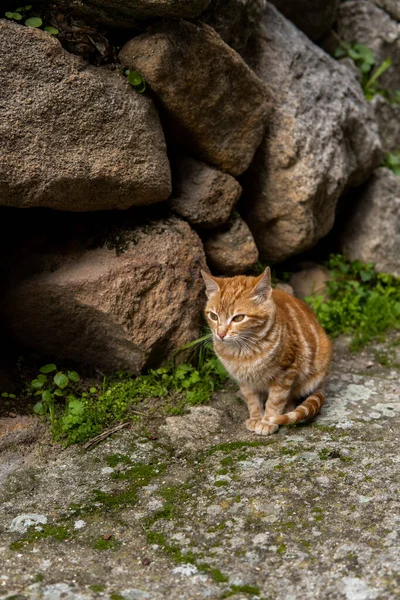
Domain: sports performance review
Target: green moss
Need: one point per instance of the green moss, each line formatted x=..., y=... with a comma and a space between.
x=227, y=461
x=102, y=544
x=214, y=573
x=327, y=428
x=244, y=589
x=140, y=473
x=97, y=587
x=172, y=550
x=281, y=549
x=222, y=472
x=287, y=525
x=241, y=457
x=116, y=459
x=217, y=576
x=154, y=537
x=221, y=483
x=289, y=450
x=57, y=532
x=116, y=500
x=116, y=596
x=324, y=454
x=39, y=577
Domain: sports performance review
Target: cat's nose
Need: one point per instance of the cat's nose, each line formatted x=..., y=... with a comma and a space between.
x=222, y=335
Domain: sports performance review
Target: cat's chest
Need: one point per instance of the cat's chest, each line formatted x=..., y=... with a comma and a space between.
x=256, y=372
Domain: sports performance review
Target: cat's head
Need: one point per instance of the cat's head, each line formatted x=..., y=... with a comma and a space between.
x=238, y=308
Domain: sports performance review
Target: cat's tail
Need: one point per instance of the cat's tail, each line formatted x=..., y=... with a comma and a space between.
x=307, y=409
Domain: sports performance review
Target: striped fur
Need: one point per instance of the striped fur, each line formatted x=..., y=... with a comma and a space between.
x=277, y=351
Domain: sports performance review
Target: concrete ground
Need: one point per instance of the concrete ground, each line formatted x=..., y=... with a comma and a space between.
x=207, y=510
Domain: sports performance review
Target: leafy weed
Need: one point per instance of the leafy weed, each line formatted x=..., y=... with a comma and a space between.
x=77, y=416
x=364, y=59
x=392, y=162
x=361, y=302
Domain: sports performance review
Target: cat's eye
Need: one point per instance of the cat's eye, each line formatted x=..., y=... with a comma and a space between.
x=238, y=318
x=213, y=316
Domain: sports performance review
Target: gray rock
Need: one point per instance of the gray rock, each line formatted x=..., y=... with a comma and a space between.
x=124, y=305
x=19, y=430
x=285, y=287
x=214, y=104
x=192, y=429
x=321, y=139
x=234, y=20
x=372, y=233
x=390, y=6
x=387, y=116
x=310, y=281
x=314, y=17
x=365, y=23
x=203, y=195
x=231, y=249
x=73, y=137
x=126, y=13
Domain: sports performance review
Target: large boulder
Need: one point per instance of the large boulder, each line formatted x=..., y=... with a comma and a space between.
x=213, y=102
x=314, y=17
x=387, y=116
x=390, y=6
x=127, y=304
x=231, y=249
x=372, y=232
x=127, y=13
x=234, y=20
x=364, y=23
x=203, y=195
x=321, y=139
x=73, y=137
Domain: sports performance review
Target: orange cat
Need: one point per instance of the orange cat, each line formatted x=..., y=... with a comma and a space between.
x=272, y=345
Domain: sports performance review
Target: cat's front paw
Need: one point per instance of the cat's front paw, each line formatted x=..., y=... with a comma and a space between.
x=252, y=423
x=265, y=428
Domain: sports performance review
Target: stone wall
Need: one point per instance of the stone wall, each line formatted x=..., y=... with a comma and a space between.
x=245, y=139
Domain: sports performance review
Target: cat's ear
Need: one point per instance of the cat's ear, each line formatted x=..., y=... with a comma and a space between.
x=211, y=283
x=263, y=290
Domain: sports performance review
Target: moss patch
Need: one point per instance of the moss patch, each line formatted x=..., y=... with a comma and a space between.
x=57, y=532
x=102, y=544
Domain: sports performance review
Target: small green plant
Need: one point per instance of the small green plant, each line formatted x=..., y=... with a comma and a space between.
x=392, y=161
x=21, y=12
x=49, y=387
x=76, y=416
x=361, y=302
x=136, y=80
x=362, y=56
x=364, y=59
